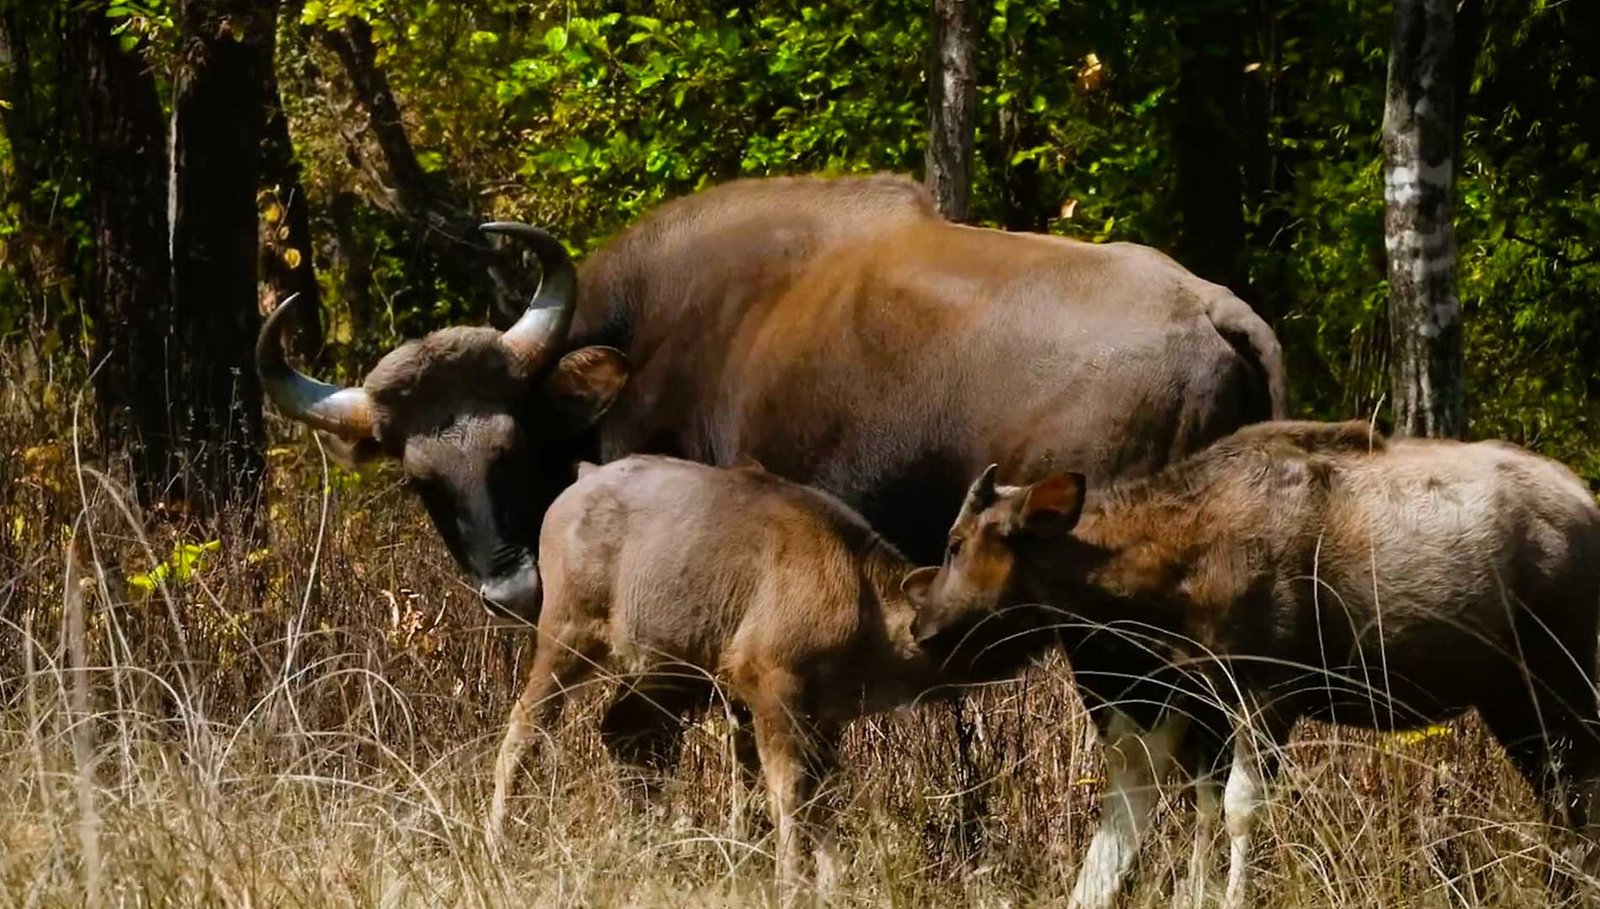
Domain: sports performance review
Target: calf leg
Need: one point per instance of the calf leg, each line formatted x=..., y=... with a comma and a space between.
x=558, y=664
x=1136, y=760
x=644, y=723
x=797, y=759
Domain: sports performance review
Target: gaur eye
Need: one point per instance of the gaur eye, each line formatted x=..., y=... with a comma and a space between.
x=954, y=549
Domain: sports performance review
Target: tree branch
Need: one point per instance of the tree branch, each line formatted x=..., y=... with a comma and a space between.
x=449, y=224
x=1552, y=251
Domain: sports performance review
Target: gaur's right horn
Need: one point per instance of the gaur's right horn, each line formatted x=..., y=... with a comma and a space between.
x=345, y=412
x=541, y=331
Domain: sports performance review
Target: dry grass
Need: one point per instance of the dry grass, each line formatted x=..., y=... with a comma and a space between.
x=312, y=724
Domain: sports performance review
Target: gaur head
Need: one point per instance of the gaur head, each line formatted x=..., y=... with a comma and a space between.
x=487, y=425
x=998, y=528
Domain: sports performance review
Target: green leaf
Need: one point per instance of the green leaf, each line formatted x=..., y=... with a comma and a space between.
x=556, y=39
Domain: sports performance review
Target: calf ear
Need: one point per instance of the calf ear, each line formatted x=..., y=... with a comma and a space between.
x=915, y=584
x=586, y=382
x=1053, y=503
x=982, y=493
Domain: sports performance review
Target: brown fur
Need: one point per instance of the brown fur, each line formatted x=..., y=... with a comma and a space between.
x=679, y=576
x=1302, y=569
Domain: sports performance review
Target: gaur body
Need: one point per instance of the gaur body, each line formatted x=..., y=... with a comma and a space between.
x=1291, y=570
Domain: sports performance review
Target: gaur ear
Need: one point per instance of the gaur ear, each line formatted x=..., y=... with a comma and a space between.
x=585, y=468
x=1054, y=502
x=350, y=454
x=746, y=462
x=585, y=383
x=915, y=584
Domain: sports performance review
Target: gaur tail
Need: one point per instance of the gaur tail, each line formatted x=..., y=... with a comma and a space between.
x=1253, y=338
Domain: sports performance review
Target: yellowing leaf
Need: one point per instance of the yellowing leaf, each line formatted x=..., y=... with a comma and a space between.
x=1413, y=736
x=273, y=214
x=1092, y=73
x=291, y=257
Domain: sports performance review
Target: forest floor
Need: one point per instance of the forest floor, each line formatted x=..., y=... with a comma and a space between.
x=311, y=721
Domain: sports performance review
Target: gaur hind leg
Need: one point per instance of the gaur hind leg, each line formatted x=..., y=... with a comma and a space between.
x=1258, y=740
x=1205, y=759
x=644, y=724
x=560, y=661
x=1553, y=739
x=1137, y=758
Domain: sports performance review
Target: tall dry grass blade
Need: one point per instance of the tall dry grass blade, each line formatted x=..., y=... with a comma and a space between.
x=82, y=726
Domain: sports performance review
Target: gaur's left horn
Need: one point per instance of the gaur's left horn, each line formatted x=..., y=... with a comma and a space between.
x=542, y=329
x=345, y=412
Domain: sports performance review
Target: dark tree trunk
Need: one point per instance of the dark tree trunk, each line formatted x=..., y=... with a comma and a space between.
x=287, y=260
x=129, y=294
x=353, y=254
x=448, y=224
x=1021, y=191
x=218, y=116
x=1419, y=172
x=36, y=252
x=952, y=105
x=1207, y=152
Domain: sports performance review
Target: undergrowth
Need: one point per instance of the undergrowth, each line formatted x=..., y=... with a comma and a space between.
x=189, y=716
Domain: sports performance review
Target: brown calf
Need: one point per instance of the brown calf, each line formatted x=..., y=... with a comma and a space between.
x=1297, y=569
x=678, y=576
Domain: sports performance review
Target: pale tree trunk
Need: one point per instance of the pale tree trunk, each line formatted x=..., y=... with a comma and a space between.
x=952, y=105
x=1419, y=143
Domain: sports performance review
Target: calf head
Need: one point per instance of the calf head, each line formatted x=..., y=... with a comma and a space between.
x=486, y=425
x=999, y=528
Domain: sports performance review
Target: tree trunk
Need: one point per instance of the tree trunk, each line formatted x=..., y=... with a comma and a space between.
x=129, y=294
x=1207, y=151
x=30, y=45
x=353, y=255
x=1418, y=149
x=218, y=115
x=952, y=105
x=287, y=259
x=1021, y=190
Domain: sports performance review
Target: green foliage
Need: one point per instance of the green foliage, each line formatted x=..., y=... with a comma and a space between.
x=581, y=115
x=186, y=560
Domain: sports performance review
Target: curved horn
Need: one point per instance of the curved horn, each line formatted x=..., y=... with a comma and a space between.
x=345, y=412
x=543, y=326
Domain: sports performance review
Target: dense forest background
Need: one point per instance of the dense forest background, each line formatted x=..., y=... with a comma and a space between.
x=1242, y=136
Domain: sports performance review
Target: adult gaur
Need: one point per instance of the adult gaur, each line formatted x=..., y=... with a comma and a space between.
x=836, y=330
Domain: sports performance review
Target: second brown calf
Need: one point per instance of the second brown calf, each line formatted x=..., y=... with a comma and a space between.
x=678, y=576
x=1292, y=570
